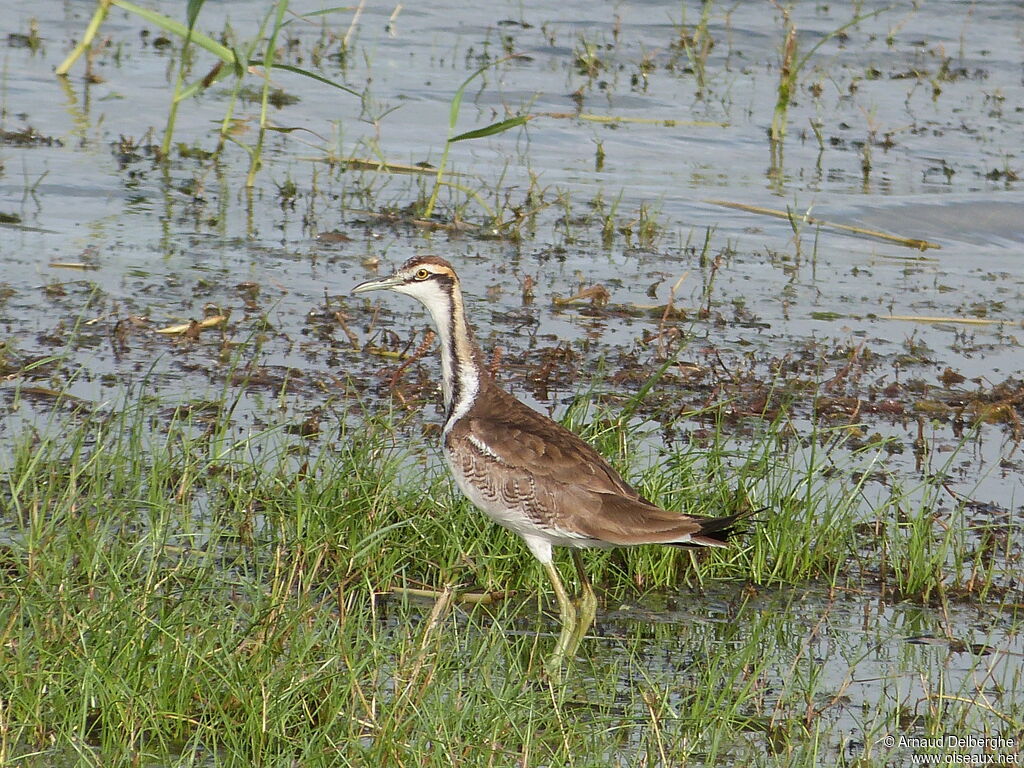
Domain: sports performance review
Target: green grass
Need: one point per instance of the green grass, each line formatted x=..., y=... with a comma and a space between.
x=177, y=594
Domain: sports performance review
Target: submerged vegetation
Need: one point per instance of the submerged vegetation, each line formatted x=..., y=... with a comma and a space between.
x=225, y=534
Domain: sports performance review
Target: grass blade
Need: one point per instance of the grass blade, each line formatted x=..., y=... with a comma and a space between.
x=192, y=12
x=453, y=117
x=499, y=127
x=909, y=242
x=181, y=30
x=312, y=76
x=87, y=37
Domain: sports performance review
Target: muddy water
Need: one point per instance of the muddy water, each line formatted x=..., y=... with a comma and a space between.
x=908, y=123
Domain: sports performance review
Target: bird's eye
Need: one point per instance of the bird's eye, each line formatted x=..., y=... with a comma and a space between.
x=422, y=274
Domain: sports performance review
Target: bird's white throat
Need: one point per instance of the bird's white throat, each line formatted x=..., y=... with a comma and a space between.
x=460, y=370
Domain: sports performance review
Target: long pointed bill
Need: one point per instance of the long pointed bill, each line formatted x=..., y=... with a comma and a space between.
x=381, y=284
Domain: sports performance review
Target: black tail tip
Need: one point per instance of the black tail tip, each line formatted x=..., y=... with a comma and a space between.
x=723, y=528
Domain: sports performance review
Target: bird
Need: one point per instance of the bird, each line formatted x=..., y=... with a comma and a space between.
x=529, y=473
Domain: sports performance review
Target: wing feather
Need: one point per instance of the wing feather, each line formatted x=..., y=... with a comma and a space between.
x=520, y=437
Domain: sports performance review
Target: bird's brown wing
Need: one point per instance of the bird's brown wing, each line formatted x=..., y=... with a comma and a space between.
x=583, y=499
x=522, y=438
x=625, y=522
x=554, y=476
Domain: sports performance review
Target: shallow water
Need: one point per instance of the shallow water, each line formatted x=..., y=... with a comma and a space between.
x=918, y=112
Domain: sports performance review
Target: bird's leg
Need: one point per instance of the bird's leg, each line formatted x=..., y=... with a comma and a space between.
x=586, y=606
x=567, y=614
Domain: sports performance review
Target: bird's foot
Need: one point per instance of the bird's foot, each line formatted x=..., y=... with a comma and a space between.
x=586, y=612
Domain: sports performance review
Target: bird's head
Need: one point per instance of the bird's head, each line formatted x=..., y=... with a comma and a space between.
x=430, y=279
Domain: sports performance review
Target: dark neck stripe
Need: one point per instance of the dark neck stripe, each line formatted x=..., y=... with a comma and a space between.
x=458, y=350
x=455, y=385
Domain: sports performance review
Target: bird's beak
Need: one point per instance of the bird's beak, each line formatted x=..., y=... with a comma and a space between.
x=380, y=284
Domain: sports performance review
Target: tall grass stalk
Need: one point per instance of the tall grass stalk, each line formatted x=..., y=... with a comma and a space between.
x=453, y=116
x=790, y=65
x=697, y=44
x=191, y=14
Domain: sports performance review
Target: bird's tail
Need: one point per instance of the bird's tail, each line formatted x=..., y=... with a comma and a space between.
x=716, y=531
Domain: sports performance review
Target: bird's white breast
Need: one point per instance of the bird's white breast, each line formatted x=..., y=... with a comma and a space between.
x=484, y=494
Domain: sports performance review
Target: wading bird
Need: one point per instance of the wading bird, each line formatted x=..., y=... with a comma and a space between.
x=529, y=473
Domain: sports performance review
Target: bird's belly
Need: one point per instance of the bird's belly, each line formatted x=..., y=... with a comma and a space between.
x=487, y=499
